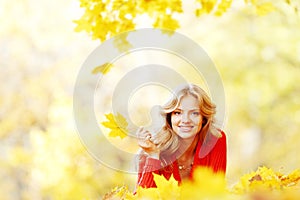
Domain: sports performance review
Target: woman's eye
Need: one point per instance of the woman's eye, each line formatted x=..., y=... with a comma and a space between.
x=196, y=113
x=176, y=113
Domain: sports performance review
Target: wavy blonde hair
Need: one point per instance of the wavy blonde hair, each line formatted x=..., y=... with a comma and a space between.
x=166, y=139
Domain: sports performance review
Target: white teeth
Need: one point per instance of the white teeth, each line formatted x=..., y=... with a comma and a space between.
x=186, y=128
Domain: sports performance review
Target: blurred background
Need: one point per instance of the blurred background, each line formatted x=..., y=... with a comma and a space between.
x=41, y=156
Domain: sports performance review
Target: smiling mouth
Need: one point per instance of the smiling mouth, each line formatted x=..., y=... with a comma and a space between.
x=186, y=128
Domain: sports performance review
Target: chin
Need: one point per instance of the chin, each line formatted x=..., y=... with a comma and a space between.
x=186, y=135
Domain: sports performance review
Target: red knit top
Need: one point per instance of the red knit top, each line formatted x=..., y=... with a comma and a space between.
x=212, y=153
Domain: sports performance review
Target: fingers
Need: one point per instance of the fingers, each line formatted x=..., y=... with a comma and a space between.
x=155, y=140
x=148, y=137
x=145, y=140
x=140, y=132
x=143, y=134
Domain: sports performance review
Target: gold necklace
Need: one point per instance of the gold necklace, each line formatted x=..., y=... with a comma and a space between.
x=183, y=167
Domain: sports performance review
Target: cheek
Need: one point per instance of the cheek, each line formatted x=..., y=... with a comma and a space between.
x=198, y=120
x=174, y=120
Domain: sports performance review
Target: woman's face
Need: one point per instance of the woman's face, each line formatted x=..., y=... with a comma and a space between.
x=186, y=119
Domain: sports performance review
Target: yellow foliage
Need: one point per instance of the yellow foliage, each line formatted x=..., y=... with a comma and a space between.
x=291, y=179
x=206, y=6
x=251, y=1
x=166, y=22
x=105, y=19
x=147, y=193
x=261, y=8
x=104, y=69
x=222, y=7
x=264, y=8
x=117, y=124
x=266, y=179
x=208, y=185
x=119, y=193
x=122, y=43
x=167, y=189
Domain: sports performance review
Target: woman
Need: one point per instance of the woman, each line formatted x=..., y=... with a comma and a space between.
x=188, y=139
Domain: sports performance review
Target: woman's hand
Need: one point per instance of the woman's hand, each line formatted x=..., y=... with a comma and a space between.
x=145, y=141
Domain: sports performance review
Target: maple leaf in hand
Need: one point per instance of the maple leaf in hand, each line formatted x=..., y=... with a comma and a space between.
x=117, y=124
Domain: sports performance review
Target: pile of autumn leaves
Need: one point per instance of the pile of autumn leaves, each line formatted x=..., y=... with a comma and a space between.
x=263, y=184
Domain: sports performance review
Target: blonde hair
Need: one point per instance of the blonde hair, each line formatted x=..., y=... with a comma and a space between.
x=166, y=139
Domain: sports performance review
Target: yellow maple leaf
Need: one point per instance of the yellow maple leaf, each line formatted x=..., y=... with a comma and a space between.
x=167, y=189
x=117, y=124
x=104, y=68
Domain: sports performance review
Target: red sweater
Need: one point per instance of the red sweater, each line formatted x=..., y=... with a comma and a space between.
x=213, y=155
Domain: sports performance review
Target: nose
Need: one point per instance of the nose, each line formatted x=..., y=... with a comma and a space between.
x=185, y=118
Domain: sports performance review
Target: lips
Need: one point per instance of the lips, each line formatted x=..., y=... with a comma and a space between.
x=186, y=128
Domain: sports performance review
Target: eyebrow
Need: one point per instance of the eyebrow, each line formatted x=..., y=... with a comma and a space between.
x=196, y=109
